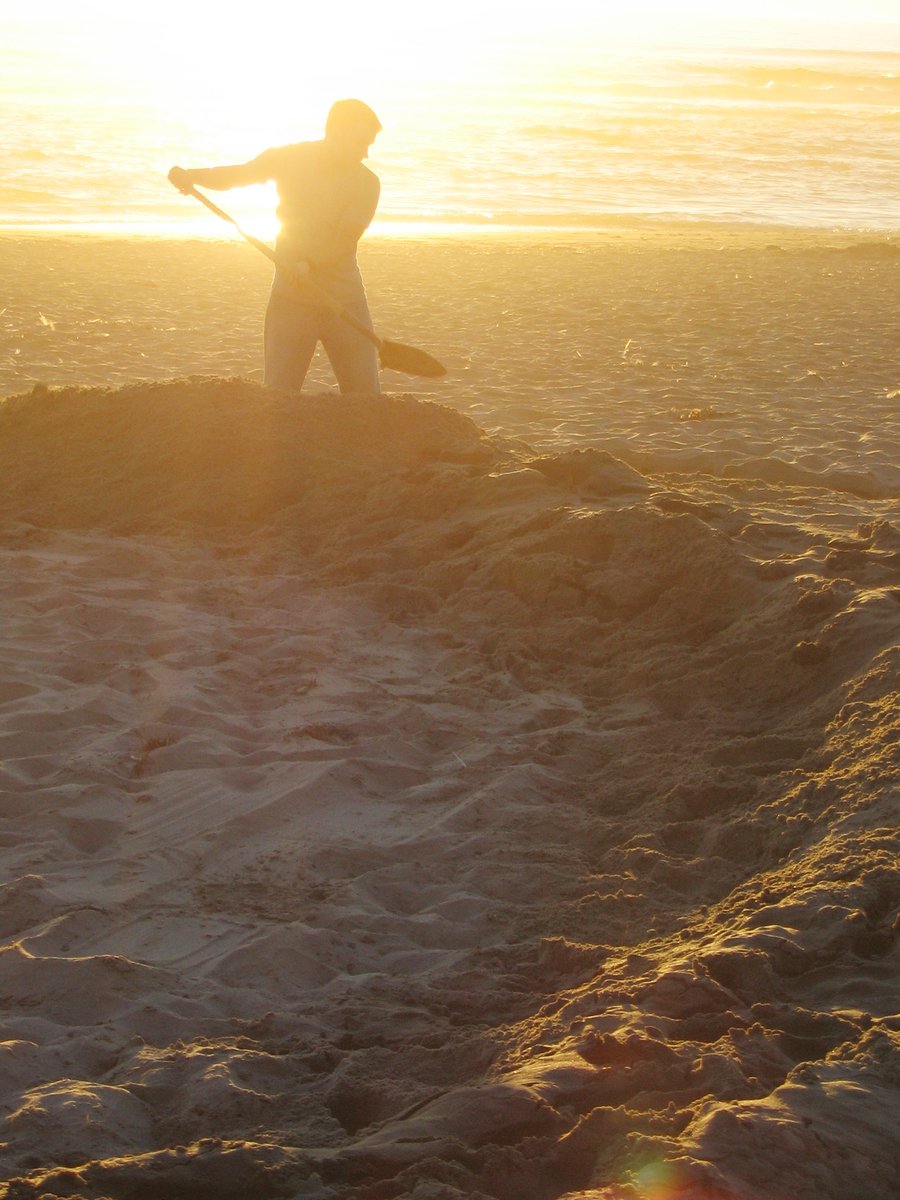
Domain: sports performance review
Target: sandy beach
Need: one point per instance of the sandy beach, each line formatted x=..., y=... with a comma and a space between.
x=484, y=792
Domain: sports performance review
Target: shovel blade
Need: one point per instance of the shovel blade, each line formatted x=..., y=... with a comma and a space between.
x=409, y=360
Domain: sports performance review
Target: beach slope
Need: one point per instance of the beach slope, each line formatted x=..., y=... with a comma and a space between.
x=392, y=808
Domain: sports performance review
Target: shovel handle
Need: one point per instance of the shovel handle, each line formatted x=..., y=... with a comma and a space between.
x=220, y=212
x=305, y=282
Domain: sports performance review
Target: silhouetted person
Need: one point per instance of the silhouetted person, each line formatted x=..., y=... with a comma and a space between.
x=326, y=201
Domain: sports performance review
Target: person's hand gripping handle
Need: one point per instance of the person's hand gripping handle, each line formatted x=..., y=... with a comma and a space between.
x=181, y=179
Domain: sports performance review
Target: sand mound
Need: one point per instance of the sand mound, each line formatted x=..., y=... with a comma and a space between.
x=223, y=455
x=394, y=810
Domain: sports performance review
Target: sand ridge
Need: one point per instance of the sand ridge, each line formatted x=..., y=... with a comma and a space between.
x=393, y=808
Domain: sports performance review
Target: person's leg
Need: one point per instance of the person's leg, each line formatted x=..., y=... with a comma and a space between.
x=353, y=358
x=291, y=335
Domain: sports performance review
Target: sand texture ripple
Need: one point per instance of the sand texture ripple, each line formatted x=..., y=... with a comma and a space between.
x=400, y=800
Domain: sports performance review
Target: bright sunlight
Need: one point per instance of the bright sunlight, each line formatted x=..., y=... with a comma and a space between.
x=476, y=99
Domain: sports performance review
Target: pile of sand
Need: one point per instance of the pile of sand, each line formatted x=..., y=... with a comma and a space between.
x=395, y=810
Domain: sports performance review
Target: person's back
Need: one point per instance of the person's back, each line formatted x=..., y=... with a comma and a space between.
x=320, y=196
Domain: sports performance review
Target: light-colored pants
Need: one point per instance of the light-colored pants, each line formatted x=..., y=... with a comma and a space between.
x=293, y=330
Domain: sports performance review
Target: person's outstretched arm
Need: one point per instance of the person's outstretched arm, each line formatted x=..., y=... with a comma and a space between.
x=220, y=179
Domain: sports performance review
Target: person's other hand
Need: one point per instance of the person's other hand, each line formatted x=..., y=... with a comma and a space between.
x=290, y=265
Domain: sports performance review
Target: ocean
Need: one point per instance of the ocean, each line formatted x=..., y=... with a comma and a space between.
x=766, y=136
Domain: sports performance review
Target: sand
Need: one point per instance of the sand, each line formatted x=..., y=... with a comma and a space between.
x=486, y=791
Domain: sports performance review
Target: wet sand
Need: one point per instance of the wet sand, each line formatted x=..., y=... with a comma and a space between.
x=485, y=791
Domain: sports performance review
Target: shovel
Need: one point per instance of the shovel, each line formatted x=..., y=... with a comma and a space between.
x=393, y=355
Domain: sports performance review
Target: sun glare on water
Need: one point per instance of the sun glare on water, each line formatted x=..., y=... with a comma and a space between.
x=130, y=90
x=268, y=62
x=270, y=67
x=273, y=65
